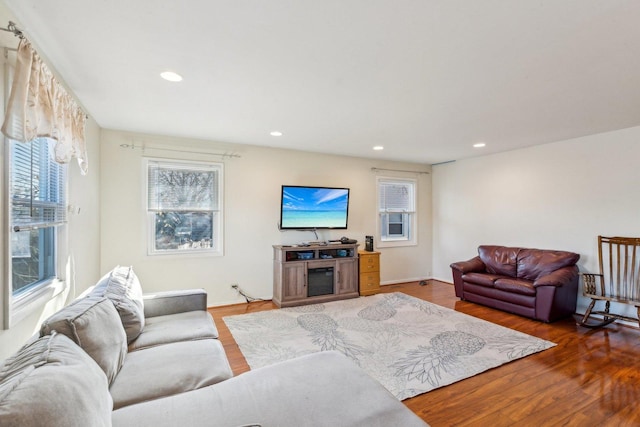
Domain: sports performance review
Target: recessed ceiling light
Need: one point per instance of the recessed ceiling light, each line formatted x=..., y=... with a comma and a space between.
x=378, y=147
x=171, y=76
x=275, y=133
x=479, y=145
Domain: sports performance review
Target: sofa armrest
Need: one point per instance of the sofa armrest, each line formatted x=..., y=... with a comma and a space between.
x=172, y=302
x=564, y=276
x=474, y=264
x=463, y=267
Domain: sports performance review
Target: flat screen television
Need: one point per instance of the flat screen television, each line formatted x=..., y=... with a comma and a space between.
x=304, y=208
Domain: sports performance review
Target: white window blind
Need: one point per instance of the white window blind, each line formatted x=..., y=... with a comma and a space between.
x=178, y=188
x=38, y=186
x=395, y=197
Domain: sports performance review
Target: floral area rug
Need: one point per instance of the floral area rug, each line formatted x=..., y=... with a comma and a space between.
x=409, y=345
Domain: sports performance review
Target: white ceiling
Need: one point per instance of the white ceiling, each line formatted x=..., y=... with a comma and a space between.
x=424, y=78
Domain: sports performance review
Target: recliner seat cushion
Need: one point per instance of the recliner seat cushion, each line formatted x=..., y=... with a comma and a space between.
x=499, y=260
x=535, y=263
x=53, y=382
x=187, y=326
x=169, y=369
x=122, y=287
x=94, y=325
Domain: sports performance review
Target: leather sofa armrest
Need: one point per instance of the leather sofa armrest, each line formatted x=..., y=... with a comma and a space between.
x=172, y=302
x=474, y=264
x=562, y=277
x=463, y=267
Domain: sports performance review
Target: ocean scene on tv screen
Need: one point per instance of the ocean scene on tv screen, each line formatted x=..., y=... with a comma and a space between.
x=309, y=207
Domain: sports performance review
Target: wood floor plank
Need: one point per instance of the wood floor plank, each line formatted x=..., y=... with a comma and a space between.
x=590, y=378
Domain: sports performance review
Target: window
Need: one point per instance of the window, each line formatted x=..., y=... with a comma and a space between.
x=184, y=207
x=396, y=211
x=37, y=199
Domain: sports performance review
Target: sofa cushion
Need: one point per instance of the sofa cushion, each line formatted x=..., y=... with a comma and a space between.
x=500, y=260
x=93, y=324
x=482, y=279
x=535, y=263
x=518, y=286
x=320, y=389
x=169, y=369
x=53, y=382
x=122, y=287
x=187, y=326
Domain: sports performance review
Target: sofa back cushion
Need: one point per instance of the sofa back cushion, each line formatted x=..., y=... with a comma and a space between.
x=122, y=287
x=53, y=382
x=535, y=263
x=93, y=324
x=500, y=260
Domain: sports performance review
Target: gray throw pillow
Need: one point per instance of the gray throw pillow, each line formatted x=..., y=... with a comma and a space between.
x=122, y=287
x=53, y=382
x=93, y=324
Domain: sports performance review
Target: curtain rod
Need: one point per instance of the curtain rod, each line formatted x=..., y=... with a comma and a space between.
x=398, y=170
x=223, y=155
x=11, y=28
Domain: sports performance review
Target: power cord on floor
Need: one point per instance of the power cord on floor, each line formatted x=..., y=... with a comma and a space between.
x=248, y=298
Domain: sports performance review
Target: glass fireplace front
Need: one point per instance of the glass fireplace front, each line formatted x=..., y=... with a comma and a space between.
x=319, y=281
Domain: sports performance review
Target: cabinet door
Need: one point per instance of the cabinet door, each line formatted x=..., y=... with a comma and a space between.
x=294, y=281
x=347, y=280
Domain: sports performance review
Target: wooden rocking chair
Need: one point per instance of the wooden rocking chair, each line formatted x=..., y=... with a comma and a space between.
x=618, y=280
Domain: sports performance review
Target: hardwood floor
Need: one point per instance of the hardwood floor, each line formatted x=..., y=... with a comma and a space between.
x=591, y=378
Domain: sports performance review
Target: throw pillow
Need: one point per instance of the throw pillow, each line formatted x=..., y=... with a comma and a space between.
x=123, y=288
x=53, y=382
x=93, y=324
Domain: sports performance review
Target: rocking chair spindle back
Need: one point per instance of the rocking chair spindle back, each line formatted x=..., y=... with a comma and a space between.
x=618, y=280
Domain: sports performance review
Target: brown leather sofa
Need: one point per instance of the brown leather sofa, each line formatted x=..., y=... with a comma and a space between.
x=536, y=283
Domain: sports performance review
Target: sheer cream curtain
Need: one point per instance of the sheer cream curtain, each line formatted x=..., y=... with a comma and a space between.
x=39, y=106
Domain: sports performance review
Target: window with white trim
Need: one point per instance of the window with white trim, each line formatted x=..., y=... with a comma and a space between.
x=184, y=207
x=37, y=207
x=397, y=211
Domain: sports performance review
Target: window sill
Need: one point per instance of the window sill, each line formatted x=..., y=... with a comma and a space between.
x=31, y=301
x=395, y=243
x=186, y=254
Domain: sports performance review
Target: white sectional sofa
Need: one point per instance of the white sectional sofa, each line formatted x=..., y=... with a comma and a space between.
x=116, y=357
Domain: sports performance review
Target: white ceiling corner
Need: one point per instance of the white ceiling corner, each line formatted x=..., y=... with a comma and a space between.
x=424, y=78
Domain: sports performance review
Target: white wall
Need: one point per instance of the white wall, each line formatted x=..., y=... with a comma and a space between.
x=252, y=199
x=556, y=196
x=84, y=218
x=83, y=245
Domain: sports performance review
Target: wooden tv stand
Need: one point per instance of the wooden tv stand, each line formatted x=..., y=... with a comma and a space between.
x=314, y=274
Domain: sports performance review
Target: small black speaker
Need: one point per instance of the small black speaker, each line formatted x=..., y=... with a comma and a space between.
x=368, y=243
